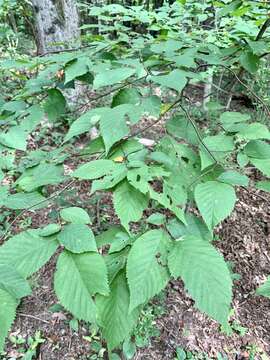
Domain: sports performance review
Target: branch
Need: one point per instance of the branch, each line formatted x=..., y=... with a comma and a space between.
x=57, y=193
x=264, y=27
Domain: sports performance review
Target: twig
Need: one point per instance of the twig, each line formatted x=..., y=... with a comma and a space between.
x=109, y=92
x=57, y=193
x=139, y=131
x=197, y=132
x=264, y=27
x=33, y=317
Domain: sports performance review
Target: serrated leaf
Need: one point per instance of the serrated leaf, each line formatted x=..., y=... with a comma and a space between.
x=215, y=201
x=182, y=128
x=77, y=238
x=254, y=131
x=167, y=203
x=112, y=76
x=55, y=104
x=156, y=219
x=205, y=274
x=108, y=237
x=116, y=320
x=146, y=277
x=234, y=178
x=129, y=203
x=76, y=68
x=31, y=180
x=174, y=80
x=50, y=230
x=22, y=201
x=77, y=278
x=233, y=117
x=110, y=181
x=7, y=315
x=27, y=252
x=126, y=96
x=219, y=146
x=15, y=138
x=85, y=122
x=139, y=178
x=195, y=226
x=264, y=289
x=113, y=127
x=257, y=149
x=250, y=61
x=12, y=282
x=95, y=169
x=75, y=215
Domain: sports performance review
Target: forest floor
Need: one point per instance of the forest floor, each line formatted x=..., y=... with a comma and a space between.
x=244, y=241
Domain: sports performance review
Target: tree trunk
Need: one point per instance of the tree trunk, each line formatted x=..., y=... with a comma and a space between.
x=57, y=24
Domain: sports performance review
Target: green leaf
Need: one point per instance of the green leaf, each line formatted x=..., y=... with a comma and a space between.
x=95, y=146
x=22, y=201
x=55, y=104
x=242, y=159
x=15, y=138
x=167, y=202
x=30, y=122
x=129, y=349
x=182, y=128
x=27, y=252
x=156, y=219
x=75, y=215
x=146, y=277
x=254, y=131
x=205, y=274
x=126, y=96
x=174, y=80
x=263, y=185
x=95, y=169
x=139, y=177
x=12, y=282
x=76, y=279
x=108, y=237
x=112, y=76
x=257, y=149
x=77, y=238
x=50, y=230
x=230, y=7
x=113, y=127
x=76, y=68
x=219, y=146
x=31, y=180
x=215, y=201
x=233, y=117
x=7, y=315
x=264, y=289
x=129, y=203
x=234, y=178
x=85, y=122
x=195, y=226
x=110, y=181
x=116, y=320
x=250, y=61
x=263, y=165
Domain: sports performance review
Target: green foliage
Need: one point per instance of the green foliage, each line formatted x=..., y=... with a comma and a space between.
x=146, y=276
x=139, y=67
x=205, y=274
x=215, y=201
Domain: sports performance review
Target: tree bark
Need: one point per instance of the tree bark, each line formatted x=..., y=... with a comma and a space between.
x=57, y=24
